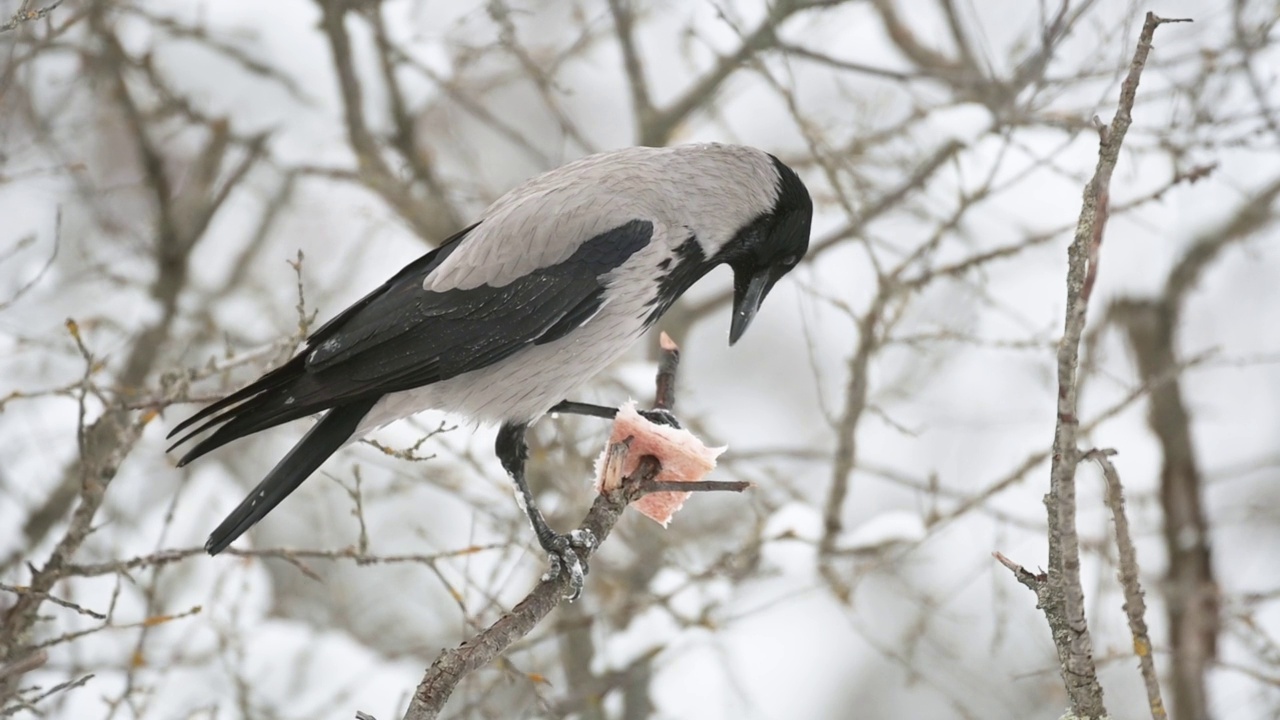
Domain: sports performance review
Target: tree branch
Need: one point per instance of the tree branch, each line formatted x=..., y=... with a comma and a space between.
x=404, y=137
x=656, y=125
x=432, y=221
x=624, y=23
x=1060, y=594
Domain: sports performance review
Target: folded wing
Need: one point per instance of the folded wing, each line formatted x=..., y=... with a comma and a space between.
x=402, y=336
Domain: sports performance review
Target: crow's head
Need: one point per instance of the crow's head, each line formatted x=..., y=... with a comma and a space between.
x=768, y=247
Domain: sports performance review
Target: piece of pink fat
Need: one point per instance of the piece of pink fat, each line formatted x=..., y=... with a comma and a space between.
x=683, y=457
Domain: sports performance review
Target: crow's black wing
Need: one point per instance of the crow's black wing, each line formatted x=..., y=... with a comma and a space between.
x=282, y=375
x=403, y=336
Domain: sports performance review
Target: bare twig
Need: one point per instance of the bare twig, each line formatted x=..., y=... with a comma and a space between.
x=539, y=73
x=1135, y=607
x=697, y=486
x=664, y=394
x=180, y=221
x=24, y=14
x=846, y=454
x=105, y=445
x=405, y=138
x=30, y=705
x=17, y=590
x=454, y=664
x=35, y=279
x=624, y=22
x=657, y=125
x=166, y=557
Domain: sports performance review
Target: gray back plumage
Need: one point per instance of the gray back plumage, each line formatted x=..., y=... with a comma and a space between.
x=708, y=191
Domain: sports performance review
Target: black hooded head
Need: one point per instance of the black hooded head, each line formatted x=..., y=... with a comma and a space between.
x=767, y=248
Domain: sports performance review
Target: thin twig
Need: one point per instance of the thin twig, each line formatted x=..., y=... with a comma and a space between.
x=696, y=486
x=664, y=396
x=18, y=590
x=455, y=663
x=1135, y=607
x=25, y=14
x=354, y=554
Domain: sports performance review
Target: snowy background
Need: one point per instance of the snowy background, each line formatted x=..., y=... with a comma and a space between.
x=163, y=164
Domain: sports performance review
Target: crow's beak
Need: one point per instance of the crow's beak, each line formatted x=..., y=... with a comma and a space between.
x=748, y=293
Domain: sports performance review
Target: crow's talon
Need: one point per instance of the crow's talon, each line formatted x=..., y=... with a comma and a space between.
x=660, y=416
x=562, y=552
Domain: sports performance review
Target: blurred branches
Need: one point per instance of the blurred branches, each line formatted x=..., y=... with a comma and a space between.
x=164, y=166
x=429, y=213
x=26, y=13
x=1151, y=328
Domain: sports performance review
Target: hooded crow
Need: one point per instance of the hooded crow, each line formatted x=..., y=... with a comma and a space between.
x=556, y=280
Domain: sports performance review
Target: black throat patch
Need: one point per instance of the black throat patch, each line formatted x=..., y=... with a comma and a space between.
x=678, y=274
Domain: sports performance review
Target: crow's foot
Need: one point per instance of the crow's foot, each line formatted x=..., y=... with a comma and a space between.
x=562, y=551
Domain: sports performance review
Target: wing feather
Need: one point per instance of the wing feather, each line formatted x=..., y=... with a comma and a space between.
x=403, y=336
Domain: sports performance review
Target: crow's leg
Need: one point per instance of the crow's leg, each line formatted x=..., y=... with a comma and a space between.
x=512, y=453
x=661, y=417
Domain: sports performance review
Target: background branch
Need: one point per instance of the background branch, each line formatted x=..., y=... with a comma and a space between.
x=1151, y=331
x=163, y=169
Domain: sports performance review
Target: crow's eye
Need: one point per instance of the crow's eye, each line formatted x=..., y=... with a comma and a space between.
x=790, y=260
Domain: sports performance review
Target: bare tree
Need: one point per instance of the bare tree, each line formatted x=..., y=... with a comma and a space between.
x=186, y=188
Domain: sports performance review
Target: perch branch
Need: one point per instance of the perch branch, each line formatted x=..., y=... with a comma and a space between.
x=454, y=664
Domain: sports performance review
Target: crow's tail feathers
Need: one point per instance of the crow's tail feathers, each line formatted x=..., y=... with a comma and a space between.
x=333, y=430
x=270, y=400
